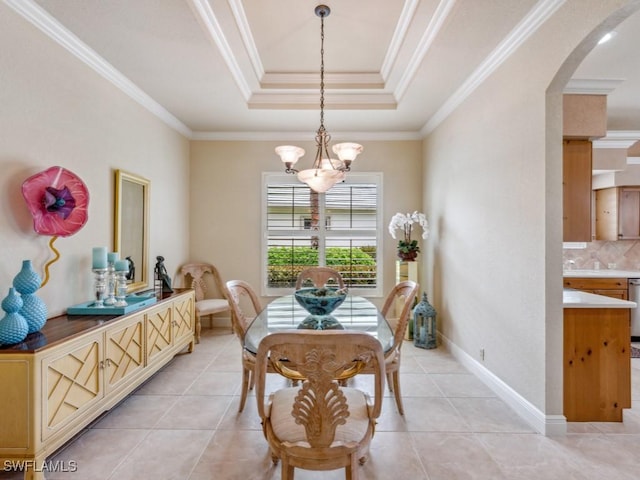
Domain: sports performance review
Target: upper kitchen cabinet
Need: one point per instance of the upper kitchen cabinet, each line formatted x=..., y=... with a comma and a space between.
x=584, y=118
x=618, y=213
x=576, y=190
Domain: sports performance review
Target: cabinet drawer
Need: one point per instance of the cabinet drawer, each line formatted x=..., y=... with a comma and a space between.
x=595, y=283
x=619, y=294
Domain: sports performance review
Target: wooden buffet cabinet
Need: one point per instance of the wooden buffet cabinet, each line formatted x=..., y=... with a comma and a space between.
x=77, y=367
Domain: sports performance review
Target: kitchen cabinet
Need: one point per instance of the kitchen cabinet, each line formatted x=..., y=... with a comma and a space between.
x=609, y=287
x=597, y=364
x=77, y=367
x=618, y=213
x=576, y=190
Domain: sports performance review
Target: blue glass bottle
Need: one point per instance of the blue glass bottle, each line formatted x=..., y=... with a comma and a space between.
x=34, y=310
x=13, y=326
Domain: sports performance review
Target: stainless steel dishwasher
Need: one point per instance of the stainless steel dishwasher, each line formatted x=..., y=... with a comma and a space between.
x=634, y=296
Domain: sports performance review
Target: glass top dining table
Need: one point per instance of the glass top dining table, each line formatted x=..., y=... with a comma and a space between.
x=284, y=313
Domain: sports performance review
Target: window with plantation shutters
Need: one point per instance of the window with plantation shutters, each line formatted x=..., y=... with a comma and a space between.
x=339, y=229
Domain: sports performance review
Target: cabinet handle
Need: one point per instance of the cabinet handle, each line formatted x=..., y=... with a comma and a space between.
x=105, y=363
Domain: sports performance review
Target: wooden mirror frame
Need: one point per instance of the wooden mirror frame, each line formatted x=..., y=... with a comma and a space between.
x=131, y=224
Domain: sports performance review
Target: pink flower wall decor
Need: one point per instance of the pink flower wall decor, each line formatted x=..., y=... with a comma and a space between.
x=58, y=201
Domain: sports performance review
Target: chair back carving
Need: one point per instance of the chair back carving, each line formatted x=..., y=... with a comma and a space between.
x=319, y=277
x=197, y=272
x=322, y=360
x=245, y=305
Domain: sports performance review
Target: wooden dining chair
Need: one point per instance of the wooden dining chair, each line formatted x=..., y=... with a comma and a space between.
x=206, y=305
x=319, y=277
x=245, y=305
x=404, y=292
x=323, y=425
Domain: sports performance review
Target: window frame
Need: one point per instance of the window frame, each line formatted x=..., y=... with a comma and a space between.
x=272, y=178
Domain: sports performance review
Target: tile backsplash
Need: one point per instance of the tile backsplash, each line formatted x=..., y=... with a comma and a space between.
x=620, y=255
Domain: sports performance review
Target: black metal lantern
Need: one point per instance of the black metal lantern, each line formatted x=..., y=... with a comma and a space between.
x=424, y=324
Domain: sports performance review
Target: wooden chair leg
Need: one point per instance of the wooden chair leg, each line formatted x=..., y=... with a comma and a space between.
x=287, y=469
x=198, y=327
x=351, y=471
x=396, y=391
x=246, y=374
x=252, y=379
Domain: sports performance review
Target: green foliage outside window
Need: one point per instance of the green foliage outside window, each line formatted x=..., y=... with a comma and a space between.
x=357, y=267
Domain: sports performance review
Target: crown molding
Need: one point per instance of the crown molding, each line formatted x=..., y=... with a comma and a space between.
x=247, y=38
x=398, y=37
x=337, y=100
x=345, y=81
x=33, y=13
x=586, y=86
x=536, y=17
x=438, y=19
x=205, y=13
x=305, y=136
x=617, y=139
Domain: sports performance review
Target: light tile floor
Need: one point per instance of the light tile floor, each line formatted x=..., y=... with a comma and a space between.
x=183, y=424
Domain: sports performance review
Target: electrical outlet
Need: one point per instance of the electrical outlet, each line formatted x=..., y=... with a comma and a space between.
x=482, y=354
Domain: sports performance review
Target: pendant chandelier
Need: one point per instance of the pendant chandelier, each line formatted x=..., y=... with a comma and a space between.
x=325, y=171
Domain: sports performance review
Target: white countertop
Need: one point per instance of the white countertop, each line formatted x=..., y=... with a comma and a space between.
x=603, y=273
x=577, y=299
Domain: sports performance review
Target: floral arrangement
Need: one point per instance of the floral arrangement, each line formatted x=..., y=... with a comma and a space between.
x=408, y=249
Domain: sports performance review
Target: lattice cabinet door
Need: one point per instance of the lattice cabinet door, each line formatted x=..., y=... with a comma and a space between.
x=159, y=330
x=125, y=351
x=183, y=317
x=73, y=381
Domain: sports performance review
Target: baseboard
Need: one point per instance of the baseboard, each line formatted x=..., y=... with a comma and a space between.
x=545, y=424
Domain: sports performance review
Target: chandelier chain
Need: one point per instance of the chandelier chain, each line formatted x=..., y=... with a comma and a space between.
x=322, y=72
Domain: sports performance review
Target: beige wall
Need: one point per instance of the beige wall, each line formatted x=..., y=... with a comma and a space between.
x=226, y=198
x=492, y=183
x=57, y=111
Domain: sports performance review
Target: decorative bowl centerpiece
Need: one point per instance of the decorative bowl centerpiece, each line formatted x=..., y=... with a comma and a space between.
x=320, y=301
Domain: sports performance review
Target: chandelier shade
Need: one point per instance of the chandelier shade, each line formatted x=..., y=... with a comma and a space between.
x=325, y=171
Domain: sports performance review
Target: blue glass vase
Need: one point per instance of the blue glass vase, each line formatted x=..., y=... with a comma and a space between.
x=13, y=326
x=34, y=310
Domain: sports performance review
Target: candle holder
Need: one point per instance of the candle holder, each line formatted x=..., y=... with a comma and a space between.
x=121, y=288
x=100, y=286
x=111, y=284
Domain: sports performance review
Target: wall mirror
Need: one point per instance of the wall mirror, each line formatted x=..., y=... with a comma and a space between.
x=131, y=228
